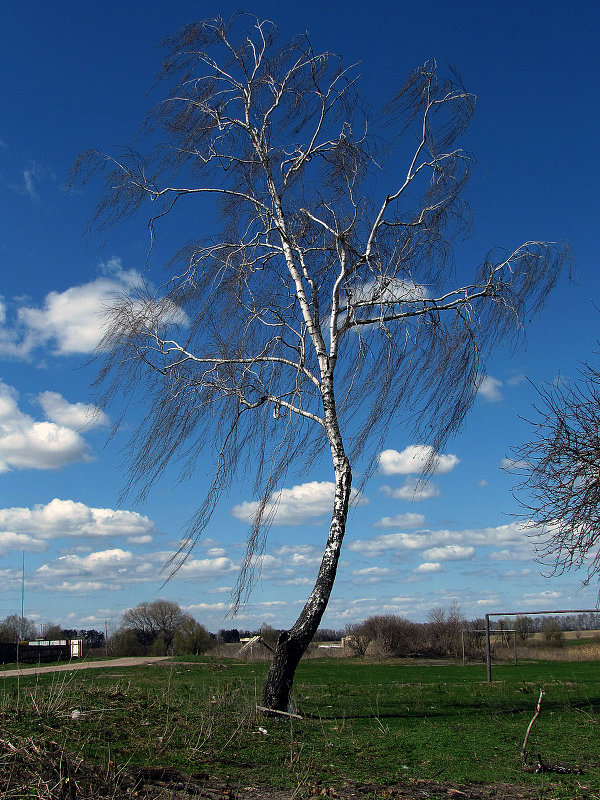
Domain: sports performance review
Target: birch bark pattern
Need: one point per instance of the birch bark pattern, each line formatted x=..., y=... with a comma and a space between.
x=292, y=644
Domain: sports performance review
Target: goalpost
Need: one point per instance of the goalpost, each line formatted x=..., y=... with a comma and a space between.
x=500, y=631
x=488, y=647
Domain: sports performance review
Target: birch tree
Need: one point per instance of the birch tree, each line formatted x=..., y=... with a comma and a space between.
x=326, y=305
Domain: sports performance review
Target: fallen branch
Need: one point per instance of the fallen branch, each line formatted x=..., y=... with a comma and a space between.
x=544, y=766
x=266, y=710
x=524, y=753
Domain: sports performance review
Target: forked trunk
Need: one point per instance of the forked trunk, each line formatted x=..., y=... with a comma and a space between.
x=293, y=643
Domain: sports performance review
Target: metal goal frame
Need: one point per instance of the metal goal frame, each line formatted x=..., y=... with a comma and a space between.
x=488, y=646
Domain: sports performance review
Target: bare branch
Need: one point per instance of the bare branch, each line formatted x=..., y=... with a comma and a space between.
x=560, y=470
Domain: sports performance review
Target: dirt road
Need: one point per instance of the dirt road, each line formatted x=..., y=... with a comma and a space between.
x=136, y=661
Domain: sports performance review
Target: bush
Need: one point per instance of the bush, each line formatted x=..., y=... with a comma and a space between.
x=552, y=632
x=125, y=642
x=385, y=635
x=192, y=639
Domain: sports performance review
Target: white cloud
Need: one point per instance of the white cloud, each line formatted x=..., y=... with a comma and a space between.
x=27, y=444
x=76, y=416
x=115, y=568
x=370, y=575
x=9, y=540
x=388, y=542
x=540, y=598
x=451, y=552
x=414, y=490
x=372, y=571
x=225, y=608
x=68, y=518
x=514, y=534
x=510, y=464
x=296, y=505
x=83, y=587
x=408, y=520
x=205, y=568
x=429, y=566
x=516, y=379
x=305, y=560
x=102, y=564
x=73, y=321
x=387, y=291
x=489, y=389
x=415, y=459
x=32, y=174
x=295, y=582
x=517, y=574
x=215, y=552
x=265, y=563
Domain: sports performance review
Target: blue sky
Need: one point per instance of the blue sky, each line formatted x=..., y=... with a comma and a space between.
x=78, y=76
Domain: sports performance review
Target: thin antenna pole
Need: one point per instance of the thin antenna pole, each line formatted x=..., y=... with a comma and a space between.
x=22, y=605
x=23, y=594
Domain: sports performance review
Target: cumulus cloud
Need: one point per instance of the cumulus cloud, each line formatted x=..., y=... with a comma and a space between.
x=414, y=490
x=76, y=416
x=215, y=552
x=28, y=444
x=68, y=518
x=296, y=505
x=265, y=563
x=415, y=459
x=70, y=321
x=429, y=566
x=450, y=552
x=73, y=321
x=102, y=563
x=371, y=574
x=408, y=520
x=205, y=568
x=116, y=567
x=489, y=389
x=9, y=540
x=514, y=536
x=143, y=539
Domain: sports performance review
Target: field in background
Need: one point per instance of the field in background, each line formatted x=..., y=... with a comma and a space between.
x=362, y=721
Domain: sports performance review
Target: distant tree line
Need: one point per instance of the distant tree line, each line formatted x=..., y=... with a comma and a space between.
x=447, y=631
x=162, y=627
x=14, y=628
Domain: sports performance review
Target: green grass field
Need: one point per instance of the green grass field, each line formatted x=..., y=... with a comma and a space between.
x=366, y=722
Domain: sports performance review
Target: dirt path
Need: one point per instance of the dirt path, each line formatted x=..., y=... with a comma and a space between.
x=136, y=661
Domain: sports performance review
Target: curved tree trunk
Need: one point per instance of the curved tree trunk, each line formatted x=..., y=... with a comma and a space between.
x=293, y=643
